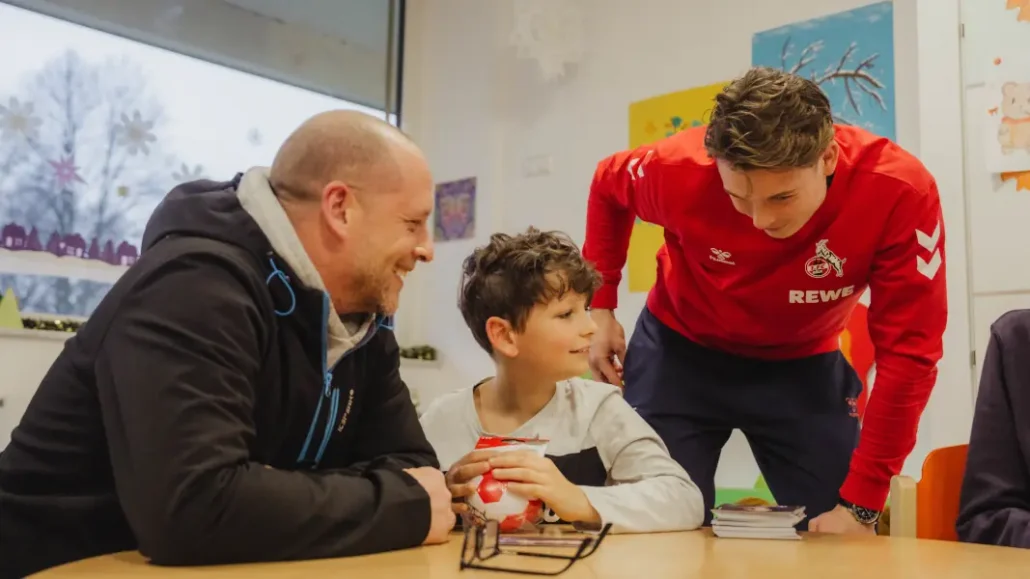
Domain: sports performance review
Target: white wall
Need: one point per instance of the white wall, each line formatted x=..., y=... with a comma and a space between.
x=479, y=111
x=999, y=248
x=25, y=357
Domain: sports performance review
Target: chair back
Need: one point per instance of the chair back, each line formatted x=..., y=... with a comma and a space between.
x=938, y=491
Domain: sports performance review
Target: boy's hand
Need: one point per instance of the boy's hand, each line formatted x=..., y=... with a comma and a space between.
x=467, y=468
x=536, y=477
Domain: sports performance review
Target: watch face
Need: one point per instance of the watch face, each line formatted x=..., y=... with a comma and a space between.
x=865, y=515
x=862, y=514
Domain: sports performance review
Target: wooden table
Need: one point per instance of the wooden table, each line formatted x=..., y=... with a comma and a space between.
x=679, y=555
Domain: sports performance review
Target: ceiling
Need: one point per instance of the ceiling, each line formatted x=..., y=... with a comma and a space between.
x=363, y=22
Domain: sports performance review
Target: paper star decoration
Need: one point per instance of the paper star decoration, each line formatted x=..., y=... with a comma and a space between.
x=65, y=171
x=134, y=133
x=18, y=118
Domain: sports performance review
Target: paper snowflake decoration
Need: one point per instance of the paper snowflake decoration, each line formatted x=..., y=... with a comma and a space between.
x=19, y=118
x=134, y=133
x=65, y=171
x=184, y=173
x=550, y=32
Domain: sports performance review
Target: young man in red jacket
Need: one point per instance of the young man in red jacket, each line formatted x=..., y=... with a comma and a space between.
x=776, y=220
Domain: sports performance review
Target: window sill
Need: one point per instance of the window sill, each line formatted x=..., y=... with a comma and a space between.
x=43, y=263
x=49, y=335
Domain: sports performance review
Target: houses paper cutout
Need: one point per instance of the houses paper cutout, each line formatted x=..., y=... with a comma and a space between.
x=14, y=237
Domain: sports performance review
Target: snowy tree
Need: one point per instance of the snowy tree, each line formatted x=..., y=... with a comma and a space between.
x=80, y=158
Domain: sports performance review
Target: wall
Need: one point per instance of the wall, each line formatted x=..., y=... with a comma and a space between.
x=478, y=110
x=997, y=211
x=25, y=357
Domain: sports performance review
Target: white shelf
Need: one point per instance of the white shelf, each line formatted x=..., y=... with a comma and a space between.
x=413, y=363
x=43, y=263
x=62, y=336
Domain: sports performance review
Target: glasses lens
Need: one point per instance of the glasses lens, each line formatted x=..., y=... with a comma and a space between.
x=468, y=546
x=491, y=533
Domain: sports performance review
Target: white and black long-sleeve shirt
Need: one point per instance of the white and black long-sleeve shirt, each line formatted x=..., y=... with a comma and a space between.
x=598, y=442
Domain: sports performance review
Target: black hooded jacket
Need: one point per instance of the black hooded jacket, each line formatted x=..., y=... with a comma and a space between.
x=193, y=416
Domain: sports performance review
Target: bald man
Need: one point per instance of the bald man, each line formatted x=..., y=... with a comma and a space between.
x=236, y=397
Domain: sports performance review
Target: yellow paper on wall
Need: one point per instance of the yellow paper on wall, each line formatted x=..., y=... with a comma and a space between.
x=651, y=120
x=10, y=317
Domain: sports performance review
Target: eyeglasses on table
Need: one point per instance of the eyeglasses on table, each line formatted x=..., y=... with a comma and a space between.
x=483, y=542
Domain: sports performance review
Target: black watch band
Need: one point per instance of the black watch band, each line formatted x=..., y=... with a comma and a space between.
x=861, y=514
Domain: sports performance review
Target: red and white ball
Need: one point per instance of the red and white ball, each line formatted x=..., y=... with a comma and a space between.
x=493, y=501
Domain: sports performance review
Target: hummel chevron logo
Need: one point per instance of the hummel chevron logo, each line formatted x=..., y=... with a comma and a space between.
x=929, y=242
x=638, y=164
x=929, y=268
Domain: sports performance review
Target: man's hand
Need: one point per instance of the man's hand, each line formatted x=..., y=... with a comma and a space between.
x=443, y=519
x=607, y=348
x=839, y=521
x=536, y=477
x=464, y=470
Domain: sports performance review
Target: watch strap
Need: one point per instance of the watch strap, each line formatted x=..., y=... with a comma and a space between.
x=861, y=514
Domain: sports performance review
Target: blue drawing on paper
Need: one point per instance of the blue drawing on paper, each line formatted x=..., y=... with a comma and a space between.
x=849, y=54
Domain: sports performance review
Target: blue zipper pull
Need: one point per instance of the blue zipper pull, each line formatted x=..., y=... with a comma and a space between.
x=328, y=384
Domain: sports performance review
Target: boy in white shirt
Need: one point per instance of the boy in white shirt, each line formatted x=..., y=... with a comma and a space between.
x=525, y=299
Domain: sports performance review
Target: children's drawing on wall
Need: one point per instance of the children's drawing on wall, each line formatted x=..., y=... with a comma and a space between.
x=650, y=120
x=455, y=211
x=1023, y=7
x=1007, y=74
x=1020, y=180
x=850, y=55
x=1008, y=127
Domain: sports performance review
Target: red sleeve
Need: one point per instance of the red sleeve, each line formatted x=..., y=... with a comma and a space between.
x=907, y=315
x=626, y=185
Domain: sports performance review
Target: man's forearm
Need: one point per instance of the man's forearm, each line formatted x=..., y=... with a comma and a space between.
x=888, y=436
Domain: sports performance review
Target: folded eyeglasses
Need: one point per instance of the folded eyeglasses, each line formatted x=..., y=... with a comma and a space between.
x=483, y=541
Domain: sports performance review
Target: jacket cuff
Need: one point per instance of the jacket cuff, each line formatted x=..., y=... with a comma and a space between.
x=865, y=492
x=414, y=502
x=606, y=297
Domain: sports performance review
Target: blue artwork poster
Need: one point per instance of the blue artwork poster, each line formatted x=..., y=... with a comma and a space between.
x=850, y=55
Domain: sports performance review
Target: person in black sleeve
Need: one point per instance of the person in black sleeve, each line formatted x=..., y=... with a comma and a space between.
x=994, y=506
x=236, y=396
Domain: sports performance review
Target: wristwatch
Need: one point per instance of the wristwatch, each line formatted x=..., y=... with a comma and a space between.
x=861, y=514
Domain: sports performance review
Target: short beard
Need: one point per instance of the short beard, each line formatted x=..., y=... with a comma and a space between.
x=369, y=291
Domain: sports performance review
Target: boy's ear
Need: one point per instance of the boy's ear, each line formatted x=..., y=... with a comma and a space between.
x=502, y=336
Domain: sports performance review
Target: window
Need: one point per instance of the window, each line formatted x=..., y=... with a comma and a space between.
x=95, y=129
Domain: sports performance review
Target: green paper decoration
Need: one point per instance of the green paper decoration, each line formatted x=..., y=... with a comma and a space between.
x=10, y=317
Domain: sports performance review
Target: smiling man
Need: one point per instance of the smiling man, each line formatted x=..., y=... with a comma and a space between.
x=776, y=221
x=236, y=397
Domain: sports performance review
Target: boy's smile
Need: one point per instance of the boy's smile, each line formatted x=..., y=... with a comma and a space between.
x=552, y=332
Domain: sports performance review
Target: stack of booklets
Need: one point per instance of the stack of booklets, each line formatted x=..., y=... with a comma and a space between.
x=757, y=521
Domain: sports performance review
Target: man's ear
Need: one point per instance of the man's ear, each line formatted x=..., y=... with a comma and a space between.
x=502, y=336
x=337, y=204
x=830, y=157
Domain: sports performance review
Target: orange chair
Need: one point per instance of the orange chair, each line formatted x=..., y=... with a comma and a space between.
x=928, y=509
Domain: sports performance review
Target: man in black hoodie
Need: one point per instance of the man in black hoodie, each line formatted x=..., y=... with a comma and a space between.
x=236, y=396
x=995, y=502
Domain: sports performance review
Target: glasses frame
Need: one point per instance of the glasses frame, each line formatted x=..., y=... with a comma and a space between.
x=476, y=537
